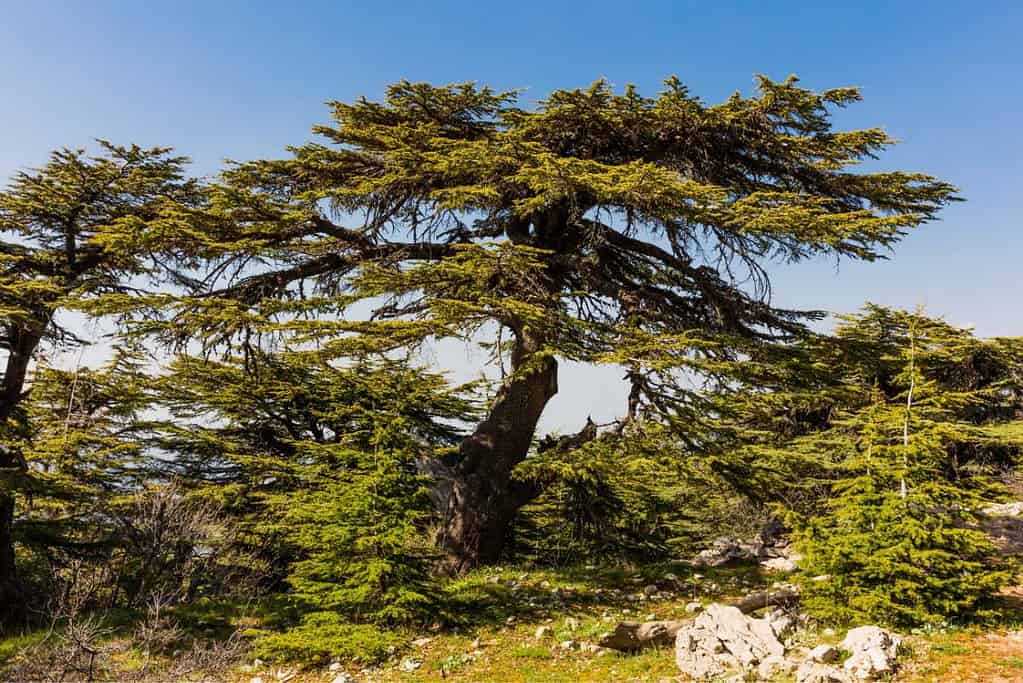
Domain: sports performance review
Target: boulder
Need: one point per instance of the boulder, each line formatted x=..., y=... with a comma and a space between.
x=722, y=638
x=725, y=551
x=630, y=636
x=815, y=672
x=824, y=654
x=780, y=564
x=874, y=652
x=773, y=666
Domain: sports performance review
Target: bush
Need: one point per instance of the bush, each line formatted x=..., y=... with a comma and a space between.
x=323, y=636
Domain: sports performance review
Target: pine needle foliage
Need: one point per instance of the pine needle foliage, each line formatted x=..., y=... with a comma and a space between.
x=320, y=465
x=596, y=226
x=896, y=540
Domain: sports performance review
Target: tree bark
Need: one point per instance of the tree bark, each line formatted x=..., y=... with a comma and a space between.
x=13, y=598
x=12, y=593
x=482, y=498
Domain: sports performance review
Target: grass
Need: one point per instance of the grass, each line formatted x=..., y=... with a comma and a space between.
x=490, y=631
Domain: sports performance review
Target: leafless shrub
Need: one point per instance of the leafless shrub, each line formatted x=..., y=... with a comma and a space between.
x=76, y=647
x=211, y=658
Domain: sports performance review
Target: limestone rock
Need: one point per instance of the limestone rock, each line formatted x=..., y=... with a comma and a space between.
x=874, y=652
x=411, y=664
x=543, y=632
x=343, y=678
x=773, y=665
x=780, y=564
x=814, y=672
x=723, y=638
x=824, y=654
x=726, y=551
x=694, y=607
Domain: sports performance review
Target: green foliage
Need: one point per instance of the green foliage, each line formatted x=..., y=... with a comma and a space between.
x=632, y=495
x=319, y=465
x=323, y=636
x=897, y=540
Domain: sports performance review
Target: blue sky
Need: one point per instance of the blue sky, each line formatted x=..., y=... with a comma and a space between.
x=237, y=80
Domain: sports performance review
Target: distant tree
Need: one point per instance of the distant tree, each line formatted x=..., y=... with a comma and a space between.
x=597, y=227
x=78, y=228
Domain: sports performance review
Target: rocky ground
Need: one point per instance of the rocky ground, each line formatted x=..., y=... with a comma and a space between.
x=728, y=616
x=559, y=640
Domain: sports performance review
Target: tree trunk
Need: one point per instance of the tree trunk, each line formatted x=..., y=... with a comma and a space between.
x=12, y=594
x=13, y=605
x=482, y=498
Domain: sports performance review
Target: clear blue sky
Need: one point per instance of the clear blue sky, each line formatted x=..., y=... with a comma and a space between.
x=237, y=80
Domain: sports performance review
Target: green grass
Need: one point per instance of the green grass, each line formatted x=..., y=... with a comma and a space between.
x=12, y=645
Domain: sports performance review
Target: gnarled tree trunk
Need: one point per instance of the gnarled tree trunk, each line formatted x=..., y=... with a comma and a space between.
x=12, y=594
x=482, y=498
x=13, y=606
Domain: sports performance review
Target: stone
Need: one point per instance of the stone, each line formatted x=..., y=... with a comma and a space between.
x=815, y=672
x=774, y=665
x=335, y=667
x=779, y=564
x=874, y=652
x=543, y=632
x=650, y=591
x=783, y=622
x=726, y=551
x=343, y=678
x=721, y=639
x=568, y=645
x=411, y=664
x=572, y=623
x=421, y=642
x=824, y=654
x=694, y=607
x=256, y=679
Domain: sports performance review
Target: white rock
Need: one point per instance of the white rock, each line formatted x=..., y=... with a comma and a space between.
x=813, y=672
x=543, y=632
x=783, y=622
x=650, y=590
x=723, y=638
x=693, y=607
x=343, y=678
x=421, y=642
x=874, y=652
x=568, y=645
x=335, y=666
x=774, y=665
x=824, y=654
x=411, y=664
x=256, y=679
x=779, y=564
